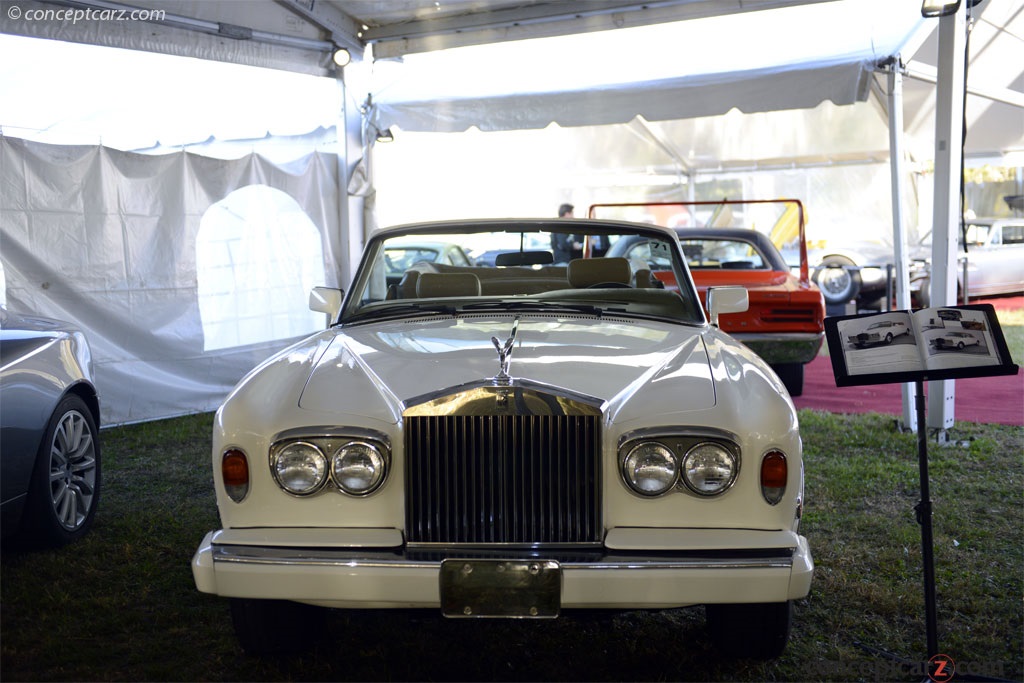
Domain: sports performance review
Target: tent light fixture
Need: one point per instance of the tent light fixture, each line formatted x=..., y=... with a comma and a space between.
x=342, y=57
x=385, y=135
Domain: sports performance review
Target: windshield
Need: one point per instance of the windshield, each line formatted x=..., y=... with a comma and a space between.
x=561, y=267
x=781, y=221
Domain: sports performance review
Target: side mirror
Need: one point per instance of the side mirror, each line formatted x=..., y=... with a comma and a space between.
x=726, y=300
x=326, y=300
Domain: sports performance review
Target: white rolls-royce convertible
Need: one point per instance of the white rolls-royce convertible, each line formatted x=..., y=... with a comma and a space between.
x=512, y=440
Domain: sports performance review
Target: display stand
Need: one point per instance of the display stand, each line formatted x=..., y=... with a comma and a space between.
x=948, y=342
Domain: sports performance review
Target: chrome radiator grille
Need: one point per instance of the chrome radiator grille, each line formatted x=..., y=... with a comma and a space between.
x=503, y=479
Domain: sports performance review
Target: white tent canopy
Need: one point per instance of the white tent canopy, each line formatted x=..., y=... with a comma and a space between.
x=789, y=58
x=756, y=56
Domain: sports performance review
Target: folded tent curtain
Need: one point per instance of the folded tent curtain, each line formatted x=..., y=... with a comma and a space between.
x=108, y=240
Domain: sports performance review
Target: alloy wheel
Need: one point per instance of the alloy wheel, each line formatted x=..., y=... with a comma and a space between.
x=72, y=470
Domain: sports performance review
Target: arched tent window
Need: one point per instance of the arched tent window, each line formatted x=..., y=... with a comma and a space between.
x=257, y=256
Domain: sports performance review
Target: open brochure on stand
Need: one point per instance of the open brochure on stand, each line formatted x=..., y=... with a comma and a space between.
x=945, y=342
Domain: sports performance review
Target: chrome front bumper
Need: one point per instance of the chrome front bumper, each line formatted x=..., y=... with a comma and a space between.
x=783, y=348
x=679, y=567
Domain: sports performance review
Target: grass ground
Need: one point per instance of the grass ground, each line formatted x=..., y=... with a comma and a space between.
x=1012, y=324
x=121, y=605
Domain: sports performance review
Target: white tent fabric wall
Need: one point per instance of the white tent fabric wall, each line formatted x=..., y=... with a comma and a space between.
x=108, y=240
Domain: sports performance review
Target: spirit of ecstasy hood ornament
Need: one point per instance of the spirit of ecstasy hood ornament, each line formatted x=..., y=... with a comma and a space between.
x=504, y=355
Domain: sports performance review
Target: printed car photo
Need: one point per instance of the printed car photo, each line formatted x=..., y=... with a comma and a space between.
x=784, y=322
x=881, y=332
x=516, y=441
x=955, y=340
x=49, y=431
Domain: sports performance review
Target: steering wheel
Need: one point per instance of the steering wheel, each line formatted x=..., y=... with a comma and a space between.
x=609, y=285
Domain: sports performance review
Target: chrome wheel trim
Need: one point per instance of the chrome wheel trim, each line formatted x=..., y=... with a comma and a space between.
x=835, y=280
x=72, y=466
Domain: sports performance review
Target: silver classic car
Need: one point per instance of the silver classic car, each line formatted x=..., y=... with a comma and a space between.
x=993, y=250
x=511, y=441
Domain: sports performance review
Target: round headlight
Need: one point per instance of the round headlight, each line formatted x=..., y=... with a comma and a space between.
x=709, y=469
x=300, y=468
x=358, y=468
x=650, y=469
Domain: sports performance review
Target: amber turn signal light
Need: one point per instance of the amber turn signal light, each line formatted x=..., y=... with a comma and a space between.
x=234, y=469
x=774, y=473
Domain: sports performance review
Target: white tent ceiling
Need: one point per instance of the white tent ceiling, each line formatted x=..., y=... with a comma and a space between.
x=787, y=58
x=665, y=60
x=791, y=58
x=300, y=35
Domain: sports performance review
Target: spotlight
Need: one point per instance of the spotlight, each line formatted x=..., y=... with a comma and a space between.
x=942, y=8
x=342, y=57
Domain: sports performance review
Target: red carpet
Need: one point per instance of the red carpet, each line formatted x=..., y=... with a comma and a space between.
x=993, y=400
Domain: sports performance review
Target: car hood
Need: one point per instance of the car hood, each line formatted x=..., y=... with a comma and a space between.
x=378, y=370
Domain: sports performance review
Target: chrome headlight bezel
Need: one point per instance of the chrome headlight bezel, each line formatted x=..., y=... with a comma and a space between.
x=334, y=446
x=651, y=456
x=682, y=445
x=698, y=461
x=285, y=458
x=350, y=452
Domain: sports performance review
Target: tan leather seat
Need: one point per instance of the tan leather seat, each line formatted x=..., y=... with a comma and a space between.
x=588, y=272
x=407, y=285
x=643, y=279
x=447, y=284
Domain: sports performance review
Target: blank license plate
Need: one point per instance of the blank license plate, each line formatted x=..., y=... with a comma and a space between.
x=521, y=589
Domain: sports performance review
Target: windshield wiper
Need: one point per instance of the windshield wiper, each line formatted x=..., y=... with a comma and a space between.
x=546, y=306
x=399, y=310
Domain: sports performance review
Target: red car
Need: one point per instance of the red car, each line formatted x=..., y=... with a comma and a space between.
x=784, y=323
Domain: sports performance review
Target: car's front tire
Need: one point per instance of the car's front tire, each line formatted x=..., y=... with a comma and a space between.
x=64, y=491
x=754, y=631
x=275, y=627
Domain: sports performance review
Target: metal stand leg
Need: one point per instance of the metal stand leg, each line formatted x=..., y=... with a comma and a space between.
x=924, y=518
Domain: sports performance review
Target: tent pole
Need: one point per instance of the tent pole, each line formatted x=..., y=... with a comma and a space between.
x=949, y=123
x=350, y=205
x=899, y=230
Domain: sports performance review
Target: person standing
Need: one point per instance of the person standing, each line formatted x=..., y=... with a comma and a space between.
x=564, y=246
